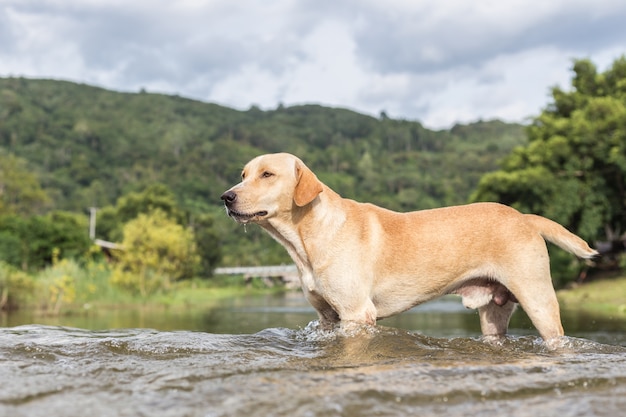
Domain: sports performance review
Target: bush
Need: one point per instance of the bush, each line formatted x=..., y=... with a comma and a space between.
x=16, y=287
x=156, y=251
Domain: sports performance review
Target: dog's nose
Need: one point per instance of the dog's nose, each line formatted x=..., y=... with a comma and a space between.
x=229, y=197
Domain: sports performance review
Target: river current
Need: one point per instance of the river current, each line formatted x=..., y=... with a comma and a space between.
x=371, y=371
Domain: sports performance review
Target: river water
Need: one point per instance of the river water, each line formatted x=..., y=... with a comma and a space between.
x=264, y=356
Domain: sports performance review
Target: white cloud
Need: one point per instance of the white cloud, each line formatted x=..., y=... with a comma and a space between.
x=323, y=69
x=510, y=87
x=437, y=62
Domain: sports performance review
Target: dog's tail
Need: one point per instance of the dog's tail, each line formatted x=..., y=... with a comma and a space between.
x=560, y=236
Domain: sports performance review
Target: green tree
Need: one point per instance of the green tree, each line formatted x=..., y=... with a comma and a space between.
x=110, y=220
x=65, y=232
x=108, y=226
x=20, y=191
x=16, y=287
x=207, y=243
x=32, y=242
x=156, y=251
x=159, y=197
x=574, y=167
x=13, y=240
x=93, y=147
x=155, y=197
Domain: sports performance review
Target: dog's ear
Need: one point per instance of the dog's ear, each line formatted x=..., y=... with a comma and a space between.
x=308, y=186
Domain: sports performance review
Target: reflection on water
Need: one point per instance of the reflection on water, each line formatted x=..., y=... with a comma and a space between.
x=445, y=317
x=260, y=356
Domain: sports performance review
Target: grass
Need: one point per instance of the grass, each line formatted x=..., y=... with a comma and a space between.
x=68, y=287
x=200, y=298
x=605, y=297
x=203, y=293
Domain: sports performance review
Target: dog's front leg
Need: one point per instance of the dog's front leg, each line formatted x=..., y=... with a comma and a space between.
x=328, y=317
x=363, y=312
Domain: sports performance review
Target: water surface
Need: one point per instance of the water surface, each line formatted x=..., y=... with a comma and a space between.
x=439, y=366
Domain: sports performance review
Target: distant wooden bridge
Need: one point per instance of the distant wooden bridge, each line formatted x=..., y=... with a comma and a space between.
x=286, y=273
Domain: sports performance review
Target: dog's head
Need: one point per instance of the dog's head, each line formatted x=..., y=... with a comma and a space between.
x=270, y=186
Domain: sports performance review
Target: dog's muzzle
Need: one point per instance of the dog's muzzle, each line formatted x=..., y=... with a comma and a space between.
x=230, y=199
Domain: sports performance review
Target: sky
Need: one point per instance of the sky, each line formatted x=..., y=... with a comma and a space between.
x=438, y=62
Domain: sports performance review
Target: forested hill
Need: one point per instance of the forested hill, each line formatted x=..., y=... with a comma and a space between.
x=89, y=146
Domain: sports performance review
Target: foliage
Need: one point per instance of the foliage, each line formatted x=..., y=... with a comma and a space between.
x=92, y=147
x=66, y=282
x=604, y=297
x=56, y=284
x=20, y=190
x=16, y=287
x=14, y=241
x=156, y=250
x=574, y=167
x=155, y=166
x=30, y=242
x=156, y=196
x=207, y=243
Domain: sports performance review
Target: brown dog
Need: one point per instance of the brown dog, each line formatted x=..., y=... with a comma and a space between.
x=359, y=262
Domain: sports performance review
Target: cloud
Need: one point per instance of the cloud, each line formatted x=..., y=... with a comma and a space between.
x=438, y=62
x=436, y=36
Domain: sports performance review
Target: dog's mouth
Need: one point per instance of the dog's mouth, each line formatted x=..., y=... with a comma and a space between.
x=245, y=217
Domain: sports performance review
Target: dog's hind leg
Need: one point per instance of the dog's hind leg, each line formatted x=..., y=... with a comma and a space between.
x=542, y=307
x=539, y=301
x=530, y=283
x=494, y=319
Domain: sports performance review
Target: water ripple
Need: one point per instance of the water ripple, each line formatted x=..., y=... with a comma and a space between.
x=283, y=372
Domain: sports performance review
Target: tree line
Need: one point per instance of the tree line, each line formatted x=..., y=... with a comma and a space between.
x=573, y=169
x=151, y=161
x=88, y=147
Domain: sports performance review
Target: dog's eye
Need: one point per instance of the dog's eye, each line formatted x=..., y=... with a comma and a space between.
x=267, y=174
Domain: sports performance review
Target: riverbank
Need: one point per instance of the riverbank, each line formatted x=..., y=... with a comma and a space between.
x=68, y=288
x=187, y=305
x=183, y=296
x=606, y=297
